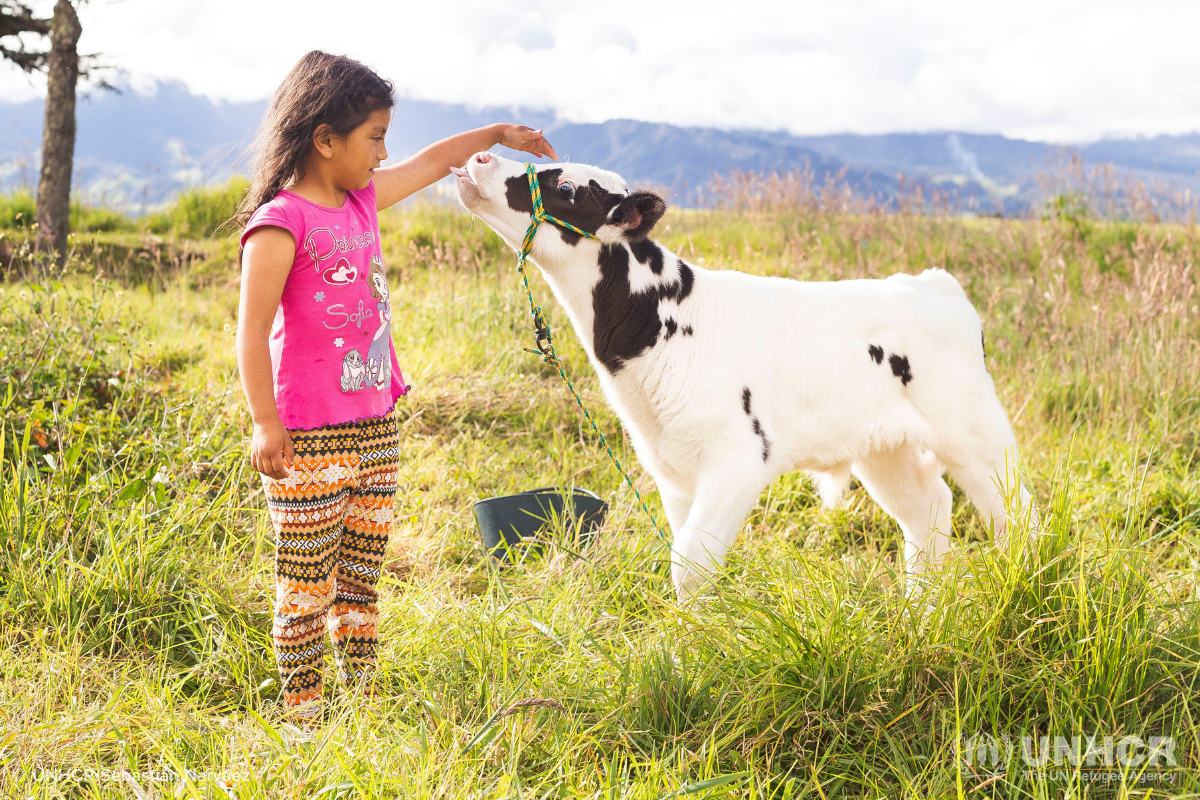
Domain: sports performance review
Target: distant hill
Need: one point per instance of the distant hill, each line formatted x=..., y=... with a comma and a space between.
x=136, y=150
x=132, y=149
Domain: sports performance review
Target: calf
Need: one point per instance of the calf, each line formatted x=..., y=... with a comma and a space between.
x=726, y=380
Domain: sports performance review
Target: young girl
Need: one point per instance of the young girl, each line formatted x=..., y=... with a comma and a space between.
x=316, y=357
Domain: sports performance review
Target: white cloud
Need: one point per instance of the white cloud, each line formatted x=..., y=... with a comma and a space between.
x=1032, y=68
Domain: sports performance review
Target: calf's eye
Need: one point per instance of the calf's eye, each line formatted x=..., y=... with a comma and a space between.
x=567, y=190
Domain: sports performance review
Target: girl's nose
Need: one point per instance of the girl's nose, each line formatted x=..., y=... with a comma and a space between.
x=483, y=158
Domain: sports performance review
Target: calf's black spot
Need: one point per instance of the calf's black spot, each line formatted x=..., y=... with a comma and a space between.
x=672, y=326
x=679, y=288
x=687, y=330
x=755, y=425
x=686, y=279
x=516, y=190
x=766, y=443
x=876, y=352
x=900, y=368
x=644, y=251
x=626, y=323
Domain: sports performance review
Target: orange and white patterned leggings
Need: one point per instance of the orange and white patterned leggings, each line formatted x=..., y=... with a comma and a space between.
x=332, y=516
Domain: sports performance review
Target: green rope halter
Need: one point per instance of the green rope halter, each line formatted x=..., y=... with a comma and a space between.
x=539, y=215
x=542, y=329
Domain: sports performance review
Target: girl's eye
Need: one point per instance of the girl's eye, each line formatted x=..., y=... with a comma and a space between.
x=567, y=190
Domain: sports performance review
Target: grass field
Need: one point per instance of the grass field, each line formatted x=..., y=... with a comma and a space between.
x=135, y=552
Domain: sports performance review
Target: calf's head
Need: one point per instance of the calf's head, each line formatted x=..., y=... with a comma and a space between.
x=496, y=190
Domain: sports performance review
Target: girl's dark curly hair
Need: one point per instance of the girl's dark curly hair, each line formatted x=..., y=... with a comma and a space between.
x=320, y=90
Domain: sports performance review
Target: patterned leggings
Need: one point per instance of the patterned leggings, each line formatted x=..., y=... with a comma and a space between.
x=332, y=516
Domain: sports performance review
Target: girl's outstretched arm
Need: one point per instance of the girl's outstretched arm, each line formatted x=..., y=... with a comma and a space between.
x=394, y=183
x=266, y=262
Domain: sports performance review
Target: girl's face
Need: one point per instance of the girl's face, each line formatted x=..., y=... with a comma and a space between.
x=355, y=157
x=380, y=283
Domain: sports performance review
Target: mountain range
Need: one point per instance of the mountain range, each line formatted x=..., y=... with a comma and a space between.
x=135, y=150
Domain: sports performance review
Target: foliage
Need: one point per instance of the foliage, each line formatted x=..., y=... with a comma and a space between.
x=198, y=213
x=135, y=554
x=201, y=212
x=17, y=210
x=91, y=219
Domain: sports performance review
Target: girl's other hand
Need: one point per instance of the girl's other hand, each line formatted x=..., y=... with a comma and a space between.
x=271, y=450
x=518, y=137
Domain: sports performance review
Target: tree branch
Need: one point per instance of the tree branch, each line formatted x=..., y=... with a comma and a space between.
x=17, y=18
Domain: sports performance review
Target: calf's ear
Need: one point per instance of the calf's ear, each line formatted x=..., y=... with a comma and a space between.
x=637, y=214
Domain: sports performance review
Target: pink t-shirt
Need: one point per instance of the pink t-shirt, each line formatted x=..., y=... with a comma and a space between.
x=332, y=356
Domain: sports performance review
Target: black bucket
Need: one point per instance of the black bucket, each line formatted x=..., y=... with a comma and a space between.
x=510, y=521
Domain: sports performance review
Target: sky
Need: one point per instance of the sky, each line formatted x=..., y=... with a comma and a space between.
x=1032, y=69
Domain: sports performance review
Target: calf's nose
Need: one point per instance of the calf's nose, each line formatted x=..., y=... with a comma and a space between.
x=483, y=158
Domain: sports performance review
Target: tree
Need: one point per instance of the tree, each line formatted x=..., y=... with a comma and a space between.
x=62, y=65
x=58, y=132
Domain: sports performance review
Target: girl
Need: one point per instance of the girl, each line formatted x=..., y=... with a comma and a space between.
x=316, y=357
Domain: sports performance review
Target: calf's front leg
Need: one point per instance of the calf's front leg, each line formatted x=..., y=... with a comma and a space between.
x=721, y=504
x=677, y=505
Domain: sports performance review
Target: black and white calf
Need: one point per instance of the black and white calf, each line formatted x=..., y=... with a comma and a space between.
x=726, y=380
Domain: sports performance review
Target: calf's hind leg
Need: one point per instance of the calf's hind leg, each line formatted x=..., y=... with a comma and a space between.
x=908, y=485
x=721, y=504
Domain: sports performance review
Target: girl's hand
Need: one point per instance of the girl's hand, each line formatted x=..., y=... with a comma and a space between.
x=518, y=137
x=271, y=451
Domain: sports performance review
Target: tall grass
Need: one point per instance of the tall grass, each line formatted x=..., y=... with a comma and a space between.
x=1104, y=190
x=18, y=211
x=191, y=233
x=201, y=212
x=135, y=570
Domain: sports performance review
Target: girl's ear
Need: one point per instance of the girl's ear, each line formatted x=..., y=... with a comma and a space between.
x=323, y=140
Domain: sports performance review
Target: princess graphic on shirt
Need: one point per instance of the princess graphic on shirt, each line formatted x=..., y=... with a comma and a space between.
x=379, y=356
